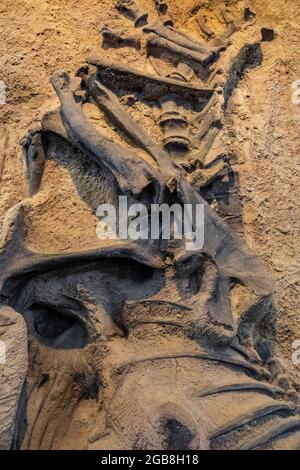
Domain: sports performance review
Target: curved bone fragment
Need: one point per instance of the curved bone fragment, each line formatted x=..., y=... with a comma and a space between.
x=132, y=173
x=18, y=260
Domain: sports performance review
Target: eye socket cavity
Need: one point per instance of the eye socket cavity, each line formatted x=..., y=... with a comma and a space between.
x=57, y=328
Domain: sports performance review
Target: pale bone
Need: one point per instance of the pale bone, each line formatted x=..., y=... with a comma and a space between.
x=155, y=41
x=132, y=173
x=3, y=149
x=203, y=26
x=131, y=9
x=118, y=38
x=35, y=159
x=163, y=11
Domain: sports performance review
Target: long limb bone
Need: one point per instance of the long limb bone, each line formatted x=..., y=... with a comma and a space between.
x=132, y=173
x=155, y=41
x=179, y=38
x=110, y=104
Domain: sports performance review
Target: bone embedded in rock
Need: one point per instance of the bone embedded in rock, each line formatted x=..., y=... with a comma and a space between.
x=34, y=153
x=112, y=38
x=174, y=125
x=13, y=369
x=162, y=8
x=132, y=9
x=156, y=43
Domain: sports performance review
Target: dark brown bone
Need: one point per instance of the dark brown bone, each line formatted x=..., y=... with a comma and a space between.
x=131, y=9
x=119, y=39
x=132, y=173
x=34, y=153
x=123, y=77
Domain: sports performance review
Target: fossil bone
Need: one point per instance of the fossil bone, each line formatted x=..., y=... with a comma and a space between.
x=184, y=72
x=157, y=42
x=122, y=76
x=132, y=173
x=131, y=9
x=174, y=125
x=110, y=104
x=178, y=38
x=34, y=155
x=119, y=39
x=163, y=11
x=13, y=366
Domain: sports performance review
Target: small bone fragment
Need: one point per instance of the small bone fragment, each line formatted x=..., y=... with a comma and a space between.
x=203, y=177
x=34, y=153
x=117, y=38
x=131, y=9
x=3, y=149
x=203, y=26
x=163, y=11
